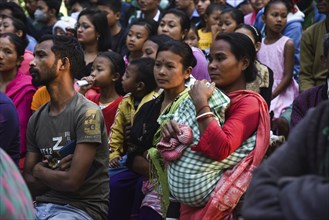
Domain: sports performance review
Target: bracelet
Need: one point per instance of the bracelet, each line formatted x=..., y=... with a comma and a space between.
x=205, y=106
x=203, y=115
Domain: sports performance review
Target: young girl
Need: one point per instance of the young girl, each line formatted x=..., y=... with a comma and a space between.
x=211, y=18
x=16, y=26
x=173, y=66
x=277, y=52
x=230, y=18
x=106, y=73
x=192, y=37
x=138, y=33
x=152, y=45
x=264, y=81
x=175, y=23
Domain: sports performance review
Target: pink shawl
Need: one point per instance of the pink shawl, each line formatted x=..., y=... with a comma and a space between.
x=21, y=91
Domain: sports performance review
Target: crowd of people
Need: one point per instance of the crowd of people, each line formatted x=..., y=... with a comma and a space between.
x=155, y=109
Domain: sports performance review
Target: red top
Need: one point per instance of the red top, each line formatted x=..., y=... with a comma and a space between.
x=109, y=111
x=241, y=121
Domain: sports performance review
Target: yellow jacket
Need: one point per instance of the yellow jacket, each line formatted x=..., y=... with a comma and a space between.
x=124, y=116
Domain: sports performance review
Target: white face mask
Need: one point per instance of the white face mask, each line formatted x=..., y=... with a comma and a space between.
x=40, y=16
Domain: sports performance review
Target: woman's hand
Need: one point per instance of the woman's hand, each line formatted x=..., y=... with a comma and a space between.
x=170, y=129
x=200, y=92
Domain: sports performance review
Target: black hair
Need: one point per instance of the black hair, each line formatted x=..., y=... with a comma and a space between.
x=114, y=5
x=236, y=14
x=144, y=73
x=117, y=66
x=66, y=46
x=19, y=43
x=99, y=20
x=287, y=3
x=183, y=18
x=151, y=26
x=243, y=3
x=195, y=30
x=84, y=3
x=18, y=13
x=242, y=47
x=160, y=39
x=326, y=45
x=214, y=7
x=53, y=4
x=181, y=49
x=255, y=32
x=20, y=26
x=16, y=10
x=303, y=5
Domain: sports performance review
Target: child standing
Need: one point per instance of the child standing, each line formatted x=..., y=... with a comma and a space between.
x=138, y=33
x=106, y=73
x=277, y=52
x=139, y=84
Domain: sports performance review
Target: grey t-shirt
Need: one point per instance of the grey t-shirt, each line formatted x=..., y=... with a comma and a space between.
x=83, y=122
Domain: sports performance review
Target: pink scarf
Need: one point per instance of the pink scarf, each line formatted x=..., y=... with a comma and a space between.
x=21, y=91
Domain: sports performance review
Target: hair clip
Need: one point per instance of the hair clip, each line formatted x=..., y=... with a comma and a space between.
x=254, y=30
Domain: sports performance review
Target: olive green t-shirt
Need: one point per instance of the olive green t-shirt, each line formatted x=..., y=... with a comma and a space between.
x=82, y=121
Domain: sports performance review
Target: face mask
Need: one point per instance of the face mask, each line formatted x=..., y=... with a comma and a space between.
x=40, y=16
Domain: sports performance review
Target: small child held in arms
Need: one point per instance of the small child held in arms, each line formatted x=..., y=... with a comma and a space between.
x=139, y=84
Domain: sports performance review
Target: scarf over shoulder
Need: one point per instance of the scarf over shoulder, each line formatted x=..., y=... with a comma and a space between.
x=21, y=91
x=233, y=181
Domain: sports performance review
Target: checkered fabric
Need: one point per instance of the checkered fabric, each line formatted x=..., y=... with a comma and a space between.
x=194, y=176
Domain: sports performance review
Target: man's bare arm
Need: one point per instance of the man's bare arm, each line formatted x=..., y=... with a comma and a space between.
x=35, y=185
x=71, y=179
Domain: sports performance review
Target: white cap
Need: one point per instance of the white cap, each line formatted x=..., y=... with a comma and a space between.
x=65, y=22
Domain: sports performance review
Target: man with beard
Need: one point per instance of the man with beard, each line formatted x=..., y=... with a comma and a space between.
x=47, y=15
x=67, y=160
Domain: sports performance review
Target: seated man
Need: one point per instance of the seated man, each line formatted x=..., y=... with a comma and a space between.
x=73, y=186
x=312, y=73
x=313, y=96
